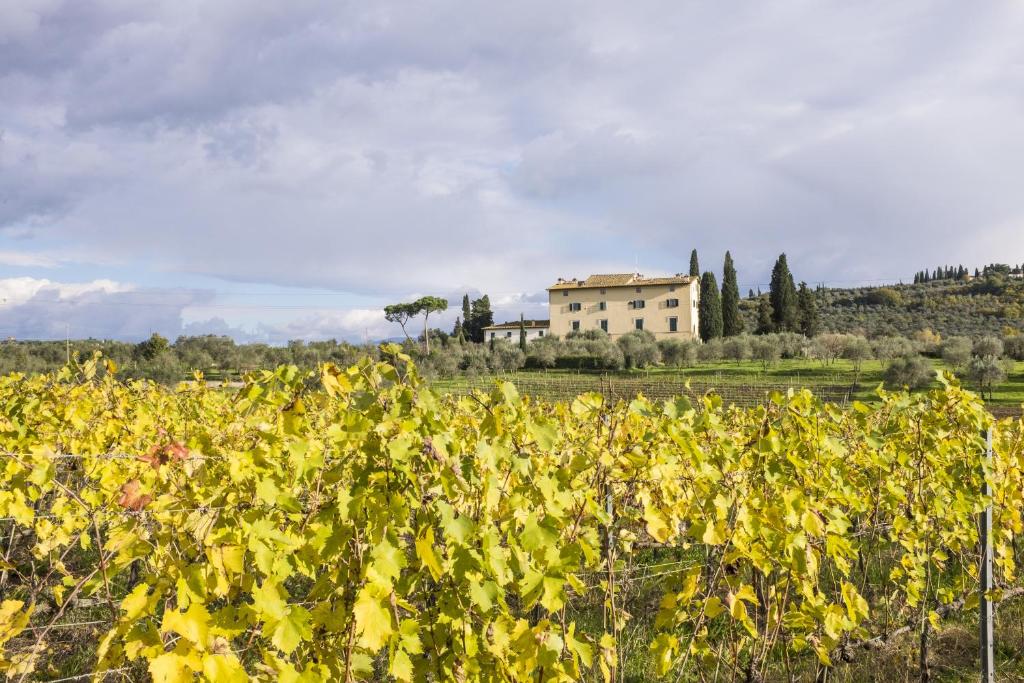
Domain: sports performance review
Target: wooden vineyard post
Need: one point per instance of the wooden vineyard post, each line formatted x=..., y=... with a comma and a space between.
x=985, y=616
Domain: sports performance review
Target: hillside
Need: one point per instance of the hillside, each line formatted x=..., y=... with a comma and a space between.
x=991, y=305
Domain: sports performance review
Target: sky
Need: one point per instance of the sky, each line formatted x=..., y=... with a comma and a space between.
x=282, y=170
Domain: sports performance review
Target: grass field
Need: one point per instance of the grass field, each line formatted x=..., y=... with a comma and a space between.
x=728, y=376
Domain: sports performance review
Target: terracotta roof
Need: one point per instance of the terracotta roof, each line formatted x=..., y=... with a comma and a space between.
x=620, y=280
x=529, y=324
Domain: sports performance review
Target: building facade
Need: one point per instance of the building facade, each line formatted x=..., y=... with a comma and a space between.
x=621, y=303
x=535, y=329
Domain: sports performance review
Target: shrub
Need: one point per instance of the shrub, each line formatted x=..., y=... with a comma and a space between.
x=927, y=342
x=828, y=347
x=883, y=296
x=736, y=348
x=765, y=350
x=887, y=348
x=506, y=357
x=986, y=371
x=956, y=351
x=857, y=350
x=1014, y=347
x=988, y=347
x=678, y=353
x=639, y=349
x=913, y=372
x=543, y=352
x=710, y=351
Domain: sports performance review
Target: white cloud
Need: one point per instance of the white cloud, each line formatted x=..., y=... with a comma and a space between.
x=383, y=149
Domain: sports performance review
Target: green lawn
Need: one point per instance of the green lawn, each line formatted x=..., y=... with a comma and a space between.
x=797, y=373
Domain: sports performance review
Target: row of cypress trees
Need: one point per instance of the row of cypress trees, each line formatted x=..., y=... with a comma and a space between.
x=785, y=309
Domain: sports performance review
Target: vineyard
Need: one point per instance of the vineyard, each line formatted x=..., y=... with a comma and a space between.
x=352, y=524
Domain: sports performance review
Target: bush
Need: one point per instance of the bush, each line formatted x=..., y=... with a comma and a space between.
x=887, y=348
x=765, y=350
x=1014, y=347
x=988, y=347
x=913, y=372
x=710, y=351
x=543, y=353
x=678, y=353
x=736, y=348
x=927, y=342
x=828, y=347
x=506, y=357
x=956, y=351
x=883, y=296
x=857, y=350
x=986, y=372
x=639, y=349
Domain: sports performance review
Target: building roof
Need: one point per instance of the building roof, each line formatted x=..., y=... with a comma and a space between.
x=528, y=324
x=620, y=280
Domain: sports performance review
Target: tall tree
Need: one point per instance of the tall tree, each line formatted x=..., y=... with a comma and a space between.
x=694, y=264
x=522, y=333
x=401, y=313
x=709, y=310
x=782, y=295
x=457, y=332
x=732, y=321
x=480, y=317
x=765, y=325
x=808, y=311
x=466, y=311
x=427, y=305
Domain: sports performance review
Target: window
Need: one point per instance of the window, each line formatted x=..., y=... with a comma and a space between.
x=603, y=291
x=575, y=325
x=639, y=323
x=565, y=292
x=673, y=324
x=508, y=335
x=575, y=307
x=492, y=335
x=672, y=303
x=671, y=288
x=636, y=303
x=637, y=290
x=603, y=324
x=602, y=306
x=540, y=333
x=695, y=303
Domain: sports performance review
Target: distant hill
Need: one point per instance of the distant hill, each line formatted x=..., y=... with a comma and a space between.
x=993, y=305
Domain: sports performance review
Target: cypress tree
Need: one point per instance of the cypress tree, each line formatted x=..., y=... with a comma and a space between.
x=694, y=265
x=457, y=331
x=782, y=295
x=750, y=294
x=808, y=311
x=764, y=316
x=732, y=321
x=709, y=310
x=467, y=318
x=522, y=333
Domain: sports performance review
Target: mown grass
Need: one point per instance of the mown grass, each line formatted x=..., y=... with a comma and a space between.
x=793, y=372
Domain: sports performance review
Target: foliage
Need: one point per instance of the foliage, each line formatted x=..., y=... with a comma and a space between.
x=986, y=371
x=709, y=308
x=956, y=351
x=639, y=349
x=732, y=321
x=912, y=372
x=807, y=311
x=783, y=298
x=694, y=264
x=348, y=524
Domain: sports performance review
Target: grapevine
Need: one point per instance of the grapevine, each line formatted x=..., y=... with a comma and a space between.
x=350, y=524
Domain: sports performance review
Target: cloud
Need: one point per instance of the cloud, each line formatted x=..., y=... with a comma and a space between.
x=383, y=148
x=32, y=308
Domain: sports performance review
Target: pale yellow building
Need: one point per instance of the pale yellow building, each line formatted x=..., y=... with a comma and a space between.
x=621, y=303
